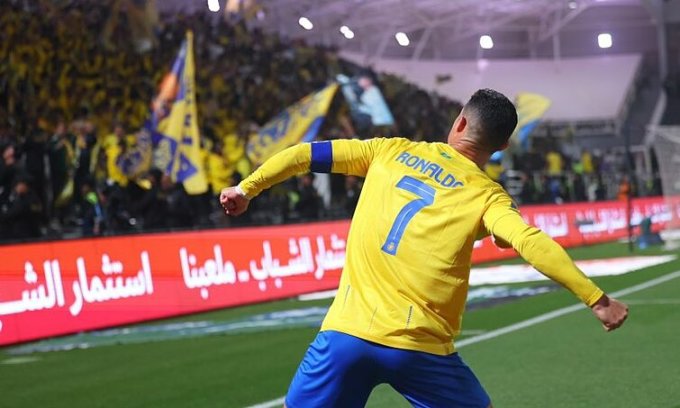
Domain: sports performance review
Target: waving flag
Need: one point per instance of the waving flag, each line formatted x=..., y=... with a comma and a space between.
x=174, y=124
x=136, y=159
x=530, y=109
x=299, y=123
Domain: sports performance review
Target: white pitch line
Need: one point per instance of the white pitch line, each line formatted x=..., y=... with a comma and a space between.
x=269, y=404
x=561, y=312
x=526, y=323
x=653, y=302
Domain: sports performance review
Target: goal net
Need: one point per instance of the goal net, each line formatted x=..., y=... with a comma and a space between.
x=667, y=148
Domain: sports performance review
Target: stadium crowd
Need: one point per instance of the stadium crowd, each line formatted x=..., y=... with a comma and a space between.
x=76, y=84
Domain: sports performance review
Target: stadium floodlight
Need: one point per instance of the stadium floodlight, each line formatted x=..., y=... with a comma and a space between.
x=572, y=5
x=486, y=42
x=347, y=32
x=214, y=5
x=604, y=40
x=402, y=39
x=305, y=23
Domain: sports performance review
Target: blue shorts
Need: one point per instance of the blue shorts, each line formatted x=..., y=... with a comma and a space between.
x=340, y=370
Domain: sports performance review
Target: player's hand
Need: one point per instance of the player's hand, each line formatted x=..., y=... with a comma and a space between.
x=610, y=312
x=233, y=202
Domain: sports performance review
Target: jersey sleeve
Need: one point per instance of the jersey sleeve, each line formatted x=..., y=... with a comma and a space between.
x=504, y=222
x=353, y=156
x=346, y=156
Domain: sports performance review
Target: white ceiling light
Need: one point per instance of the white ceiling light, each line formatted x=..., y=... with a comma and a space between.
x=214, y=5
x=573, y=5
x=486, y=42
x=402, y=39
x=305, y=23
x=347, y=32
x=604, y=40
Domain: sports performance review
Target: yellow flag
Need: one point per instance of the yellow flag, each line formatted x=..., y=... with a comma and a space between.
x=299, y=123
x=530, y=109
x=178, y=140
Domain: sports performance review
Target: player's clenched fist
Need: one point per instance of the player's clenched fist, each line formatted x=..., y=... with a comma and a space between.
x=233, y=201
x=610, y=312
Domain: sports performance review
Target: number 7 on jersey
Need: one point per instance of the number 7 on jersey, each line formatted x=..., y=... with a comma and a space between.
x=425, y=195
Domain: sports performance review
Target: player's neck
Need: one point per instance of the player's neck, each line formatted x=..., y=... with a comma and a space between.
x=471, y=150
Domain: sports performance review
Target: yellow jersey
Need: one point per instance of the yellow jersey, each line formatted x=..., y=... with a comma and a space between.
x=587, y=163
x=422, y=206
x=554, y=163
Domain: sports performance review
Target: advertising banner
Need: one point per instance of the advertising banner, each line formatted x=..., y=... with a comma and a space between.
x=56, y=288
x=583, y=223
x=366, y=102
x=49, y=289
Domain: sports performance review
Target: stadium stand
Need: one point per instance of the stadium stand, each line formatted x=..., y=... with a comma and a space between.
x=74, y=95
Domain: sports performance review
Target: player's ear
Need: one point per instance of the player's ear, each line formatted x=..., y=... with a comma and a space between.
x=505, y=145
x=462, y=124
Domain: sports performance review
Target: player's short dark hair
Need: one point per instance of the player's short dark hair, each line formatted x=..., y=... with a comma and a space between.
x=495, y=118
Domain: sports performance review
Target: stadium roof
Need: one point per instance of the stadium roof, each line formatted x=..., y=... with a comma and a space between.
x=451, y=29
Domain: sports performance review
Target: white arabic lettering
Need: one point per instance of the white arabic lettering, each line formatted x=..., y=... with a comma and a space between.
x=302, y=260
x=554, y=224
x=213, y=272
x=603, y=220
x=44, y=296
x=114, y=286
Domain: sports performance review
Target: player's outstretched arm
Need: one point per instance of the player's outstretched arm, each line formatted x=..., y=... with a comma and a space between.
x=339, y=156
x=548, y=257
x=280, y=167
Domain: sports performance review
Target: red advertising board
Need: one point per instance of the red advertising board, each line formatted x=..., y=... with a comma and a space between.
x=49, y=289
x=584, y=223
x=55, y=288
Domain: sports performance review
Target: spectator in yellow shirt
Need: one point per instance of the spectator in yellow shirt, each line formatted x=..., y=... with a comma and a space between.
x=554, y=163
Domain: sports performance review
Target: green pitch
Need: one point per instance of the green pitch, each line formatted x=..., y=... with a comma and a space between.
x=567, y=361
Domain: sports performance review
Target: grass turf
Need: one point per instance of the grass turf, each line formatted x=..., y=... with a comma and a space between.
x=566, y=362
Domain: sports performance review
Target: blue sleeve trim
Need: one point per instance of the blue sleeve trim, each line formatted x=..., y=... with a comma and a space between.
x=322, y=157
